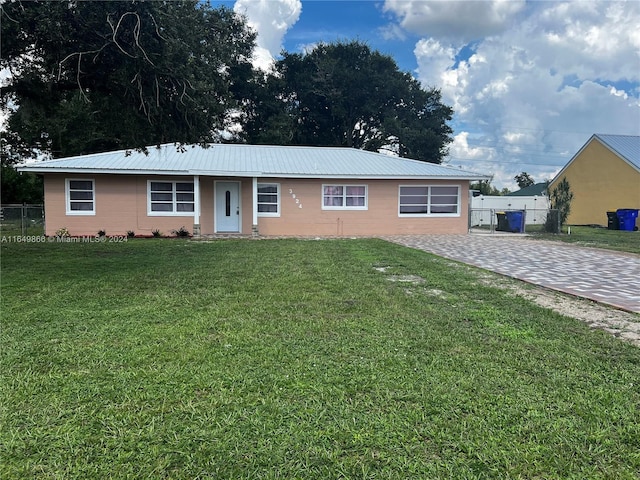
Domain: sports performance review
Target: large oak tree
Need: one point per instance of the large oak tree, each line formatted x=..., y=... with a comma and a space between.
x=345, y=94
x=96, y=76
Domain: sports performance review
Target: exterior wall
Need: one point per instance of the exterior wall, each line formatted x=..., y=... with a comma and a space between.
x=121, y=205
x=601, y=182
x=303, y=214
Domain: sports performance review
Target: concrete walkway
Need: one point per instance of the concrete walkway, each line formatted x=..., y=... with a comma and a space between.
x=601, y=275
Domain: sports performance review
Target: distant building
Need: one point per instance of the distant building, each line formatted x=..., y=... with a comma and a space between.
x=604, y=176
x=539, y=189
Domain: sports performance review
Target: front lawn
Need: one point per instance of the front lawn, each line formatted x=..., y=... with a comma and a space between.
x=285, y=359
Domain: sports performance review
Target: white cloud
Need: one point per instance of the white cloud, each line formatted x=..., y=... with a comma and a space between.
x=463, y=21
x=270, y=19
x=532, y=92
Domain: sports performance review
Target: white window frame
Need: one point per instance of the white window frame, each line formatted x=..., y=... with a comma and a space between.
x=68, y=200
x=258, y=203
x=174, y=202
x=344, y=205
x=428, y=204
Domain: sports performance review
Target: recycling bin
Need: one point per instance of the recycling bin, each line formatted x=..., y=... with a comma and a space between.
x=515, y=219
x=627, y=218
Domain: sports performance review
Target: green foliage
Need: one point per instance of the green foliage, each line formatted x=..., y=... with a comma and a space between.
x=485, y=187
x=297, y=359
x=560, y=199
x=524, y=180
x=19, y=187
x=345, y=94
x=96, y=76
x=131, y=234
x=156, y=233
x=181, y=232
x=552, y=222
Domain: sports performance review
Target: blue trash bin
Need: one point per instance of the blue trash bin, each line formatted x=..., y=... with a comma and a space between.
x=516, y=221
x=627, y=218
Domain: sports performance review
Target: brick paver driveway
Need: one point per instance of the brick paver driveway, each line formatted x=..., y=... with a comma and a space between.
x=600, y=275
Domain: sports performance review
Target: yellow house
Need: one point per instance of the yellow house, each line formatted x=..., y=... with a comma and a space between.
x=603, y=176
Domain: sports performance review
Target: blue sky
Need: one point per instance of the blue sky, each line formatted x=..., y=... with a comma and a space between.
x=529, y=81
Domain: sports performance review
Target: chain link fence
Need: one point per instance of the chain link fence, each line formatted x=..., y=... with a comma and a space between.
x=21, y=220
x=534, y=220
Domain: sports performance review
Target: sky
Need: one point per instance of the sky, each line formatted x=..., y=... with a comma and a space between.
x=529, y=81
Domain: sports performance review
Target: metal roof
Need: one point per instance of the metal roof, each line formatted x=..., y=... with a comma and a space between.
x=238, y=160
x=626, y=146
x=530, y=191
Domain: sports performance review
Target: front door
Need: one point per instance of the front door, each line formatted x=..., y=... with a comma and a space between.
x=227, y=209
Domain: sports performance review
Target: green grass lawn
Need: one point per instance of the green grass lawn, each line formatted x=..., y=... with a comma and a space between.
x=620, y=240
x=285, y=359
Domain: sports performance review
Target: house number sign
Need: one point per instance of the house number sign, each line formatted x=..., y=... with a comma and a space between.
x=297, y=200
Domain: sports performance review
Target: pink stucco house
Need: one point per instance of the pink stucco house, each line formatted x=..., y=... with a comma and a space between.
x=252, y=189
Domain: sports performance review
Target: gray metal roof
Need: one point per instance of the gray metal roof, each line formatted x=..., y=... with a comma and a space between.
x=626, y=146
x=236, y=160
x=530, y=191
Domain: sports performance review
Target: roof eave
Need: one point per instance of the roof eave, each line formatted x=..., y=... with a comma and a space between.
x=220, y=173
x=97, y=171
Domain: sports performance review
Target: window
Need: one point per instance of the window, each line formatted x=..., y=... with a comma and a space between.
x=344, y=197
x=422, y=200
x=80, y=195
x=171, y=198
x=269, y=199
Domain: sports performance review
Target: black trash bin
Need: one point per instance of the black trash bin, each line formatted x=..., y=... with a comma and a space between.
x=503, y=223
x=612, y=221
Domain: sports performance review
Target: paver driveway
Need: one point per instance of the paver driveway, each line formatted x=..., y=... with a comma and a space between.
x=601, y=275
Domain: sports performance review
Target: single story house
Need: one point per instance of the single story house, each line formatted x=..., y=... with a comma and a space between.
x=252, y=189
x=604, y=176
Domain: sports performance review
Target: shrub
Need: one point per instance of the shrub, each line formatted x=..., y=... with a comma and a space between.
x=131, y=234
x=63, y=232
x=560, y=202
x=156, y=233
x=182, y=232
x=560, y=199
x=552, y=222
x=102, y=233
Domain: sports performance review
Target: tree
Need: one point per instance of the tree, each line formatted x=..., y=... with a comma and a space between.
x=485, y=187
x=560, y=199
x=20, y=187
x=524, y=180
x=344, y=94
x=560, y=206
x=96, y=76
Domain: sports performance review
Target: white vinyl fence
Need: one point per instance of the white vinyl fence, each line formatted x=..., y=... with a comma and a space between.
x=484, y=209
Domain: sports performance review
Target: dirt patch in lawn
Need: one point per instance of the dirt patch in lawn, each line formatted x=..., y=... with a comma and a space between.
x=621, y=324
